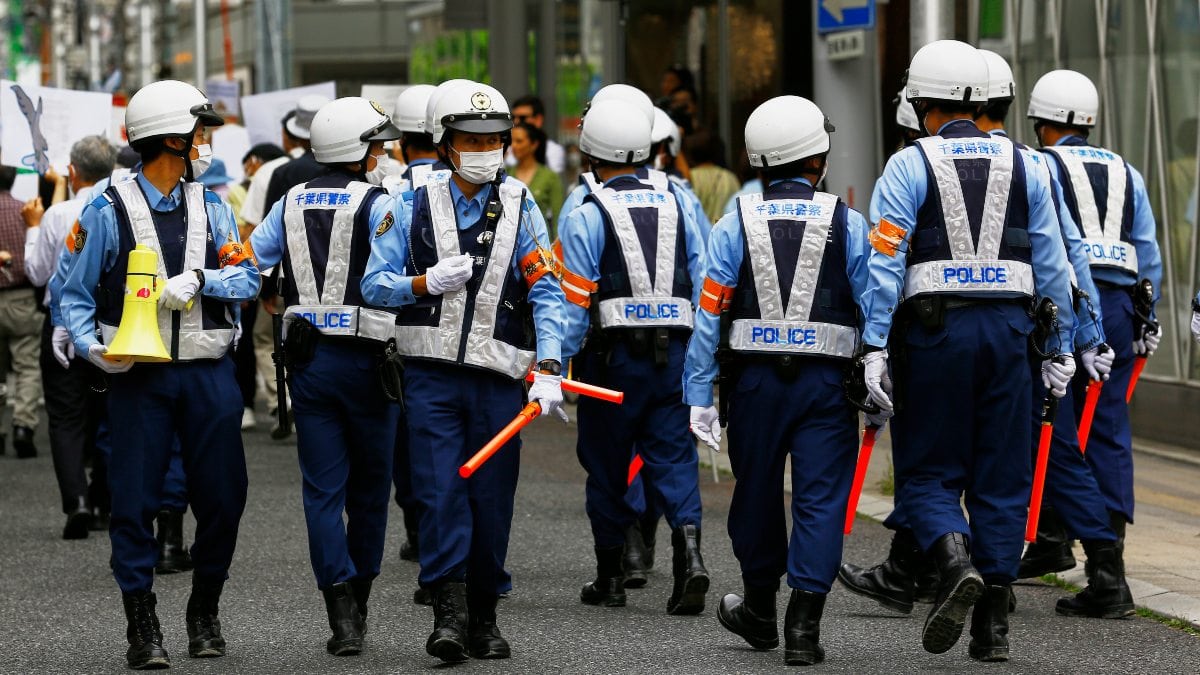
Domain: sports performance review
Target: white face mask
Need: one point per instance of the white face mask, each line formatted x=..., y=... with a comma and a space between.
x=203, y=160
x=375, y=176
x=479, y=167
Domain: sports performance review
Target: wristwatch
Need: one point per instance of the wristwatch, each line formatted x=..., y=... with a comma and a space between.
x=549, y=367
x=200, y=276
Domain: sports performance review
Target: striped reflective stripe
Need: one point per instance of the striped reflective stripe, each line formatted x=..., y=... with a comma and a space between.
x=996, y=277
x=346, y=321
x=793, y=337
x=646, y=312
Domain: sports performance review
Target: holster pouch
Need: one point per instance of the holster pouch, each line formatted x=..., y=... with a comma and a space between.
x=929, y=311
x=391, y=373
x=300, y=345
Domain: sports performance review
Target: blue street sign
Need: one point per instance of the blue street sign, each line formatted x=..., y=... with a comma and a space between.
x=839, y=15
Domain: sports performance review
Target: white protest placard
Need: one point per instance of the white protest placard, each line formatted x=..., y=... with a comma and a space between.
x=38, y=125
x=230, y=143
x=223, y=94
x=261, y=113
x=383, y=94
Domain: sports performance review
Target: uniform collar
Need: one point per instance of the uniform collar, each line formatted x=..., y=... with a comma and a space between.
x=636, y=175
x=797, y=179
x=960, y=120
x=999, y=132
x=1072, y=139
x=421, y=161
x=296, y=152
x=461, y=201
x=156, y=199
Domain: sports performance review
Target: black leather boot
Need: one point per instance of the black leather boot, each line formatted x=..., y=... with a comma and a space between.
x=79, y=520
x=1117, y=522
x=892, y=583
x=633, y=564
x=172, y=554
x=483, y=636
x=23, y=445
x=448, y=641
x=608, y=590
x=1107, y=594
x=203, y=626
x=989, y=626
x=344, y=620
x=802, y=629
x=410, y=550
x=649, y=527
x=958, y=590
x=423, y=596
x=1051, y=552
x=145, y=637
x=687, y=567
x=361, y=588
x=752, y=616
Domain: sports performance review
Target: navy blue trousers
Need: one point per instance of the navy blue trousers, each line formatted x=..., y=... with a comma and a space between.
x=465, y=523
x=966, y=395
x=198, y=403
x=1110, y=445
x=345, y=435
x=654, y=420
x=809, y=420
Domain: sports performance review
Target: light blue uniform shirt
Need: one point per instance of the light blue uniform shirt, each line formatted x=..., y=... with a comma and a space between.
x=749, y=187
x=583, y=238
x=726, y=249
x=388, y=281
x=688, y=201
x=1142, y=235
x=233, y=283
x=899, y=194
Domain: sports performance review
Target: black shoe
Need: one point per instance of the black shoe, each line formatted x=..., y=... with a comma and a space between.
x=423, y=596
x=925, y=588
x=1107, y=594
x=448, y=641
x=100, y=520
x=1051, y=552
x=483, y=637
x=633, y=563
x=203, y=626
x=608, y=590
x=410, y=549
x=172, y=554
x=344, y=621
x=752, y=617
x=361, y=587
x=1117, y=522
x=649, y=527
x=78, y=521
x=143, y=632
x=23, y=443
x=687, y=567
x=989, y=626
x=891, y=583
x=802, y=629
x=960, y=587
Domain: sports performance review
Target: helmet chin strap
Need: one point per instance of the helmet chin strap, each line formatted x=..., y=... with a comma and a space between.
x=182, y=154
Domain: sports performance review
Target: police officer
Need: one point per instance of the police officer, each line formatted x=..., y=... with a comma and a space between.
x=960, y=272
x=468, y=265
x=632, y=262
x=345, y=421
x=790, y=349
x=1106, y=198
x=194, y=397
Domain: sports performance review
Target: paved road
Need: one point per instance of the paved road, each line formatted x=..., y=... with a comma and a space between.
x=60, y=610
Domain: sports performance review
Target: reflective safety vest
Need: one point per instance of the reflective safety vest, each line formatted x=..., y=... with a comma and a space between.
x=641, y=223
x=414, y=177
x=1090, y=171
x=205, y=330
x=973, y=179
x=327, y=228
x=653, y=177
x=1043, y=173
x=818, y=318
x=483, y=324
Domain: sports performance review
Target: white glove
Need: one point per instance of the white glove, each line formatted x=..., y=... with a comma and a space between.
x=1098, y=361
x=450, y=274
x=547, y=391
x=1057, y=373
x=96, y=354
x=237, y=335
x=1151, y=339
x=879, y=383
x=179, y=290
x=706, y=426
x=1196, y=326
x=878, y=419
x=62, y=346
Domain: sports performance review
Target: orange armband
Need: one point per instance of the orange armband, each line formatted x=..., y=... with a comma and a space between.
x=715, y=298
x=533, y=267
x=234, y=253
x=886, y=237
x=577, y=288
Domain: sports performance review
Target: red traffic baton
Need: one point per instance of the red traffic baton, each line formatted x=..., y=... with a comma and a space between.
x=1089, y=411
x=860, y=474
x=634, y=467
x=1139, y=364
x=1049, y=410
x=610, y=395
x=523, y=418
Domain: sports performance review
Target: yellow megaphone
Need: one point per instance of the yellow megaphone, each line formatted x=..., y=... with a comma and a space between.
x=138, y=335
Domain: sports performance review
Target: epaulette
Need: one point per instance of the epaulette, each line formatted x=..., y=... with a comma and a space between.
x=211, y=197
x=102, y=201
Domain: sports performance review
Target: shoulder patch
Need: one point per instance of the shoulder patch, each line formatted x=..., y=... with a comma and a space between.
x=385, y=224
x=76, y=238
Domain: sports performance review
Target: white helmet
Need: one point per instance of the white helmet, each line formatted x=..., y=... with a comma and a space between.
x=168, y=108
x=624, y=92
x=615, y=131
x=905, y=115
x=1000, y=76
x=472, y=108
x=665, y=129
x=409, y=113
x=1066, y=97
x=343, y=129
x=433, y=123
x=948, y=70
x=785, y=129
x=299, y=121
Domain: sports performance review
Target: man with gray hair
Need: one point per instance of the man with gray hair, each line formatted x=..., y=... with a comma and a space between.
x=73, y=408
